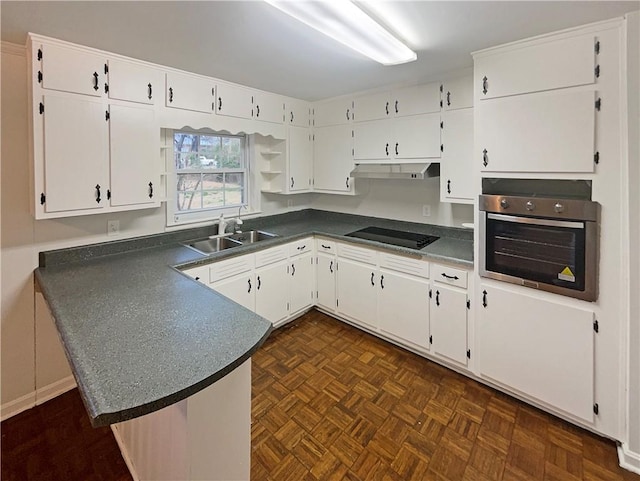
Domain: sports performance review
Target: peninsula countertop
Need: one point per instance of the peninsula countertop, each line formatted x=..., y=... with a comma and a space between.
x=140, y=335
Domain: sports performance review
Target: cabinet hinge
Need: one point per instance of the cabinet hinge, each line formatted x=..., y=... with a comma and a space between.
x=107, y=115
x=106, y=88
x=597, y=47
x=468, y=304
x=441, y=104
x=596, y=158
x=41, y=108
x=430, y=339
x=352, y=152
x=468, y=353
x=287, y=306
x=317, y=295
x=108, y=194
x=43, y=198
x=106, y=69
x=441, y=147
x=39, y=77
x=596, y=326
x=442, y=125
x=352, y=134
x=337, y=302
x=596, y=409
x=441, y=88
x=430, y=294
x=39, y=54
x=596, y=71
x=598, y=104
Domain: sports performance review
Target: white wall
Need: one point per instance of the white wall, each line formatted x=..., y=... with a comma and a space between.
x=633, y=89
x=399, y=199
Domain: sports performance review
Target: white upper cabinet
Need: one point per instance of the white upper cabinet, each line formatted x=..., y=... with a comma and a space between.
x=333, y=112
x=417, y=137
x=332, y=159
x=134, y=82
x=373, y=107
x=456, y=162
x=297, y=112
x=457, y=93
x=544, y=132
x=72, y=70
x=75, y=147
x=299, y=159
x=420, y=99
x=189, y=92
x=535, y=67
x=267, y=107
x=134, y=139
x=373, y=140
x=234, y=101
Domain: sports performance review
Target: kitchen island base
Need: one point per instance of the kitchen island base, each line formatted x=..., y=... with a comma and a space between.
x=204, y=437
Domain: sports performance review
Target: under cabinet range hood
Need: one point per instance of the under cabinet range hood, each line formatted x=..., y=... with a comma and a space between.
x=395, y=171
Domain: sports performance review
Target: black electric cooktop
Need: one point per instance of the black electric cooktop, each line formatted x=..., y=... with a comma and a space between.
x=394, y=237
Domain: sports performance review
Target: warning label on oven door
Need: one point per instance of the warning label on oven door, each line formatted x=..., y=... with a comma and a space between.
x=566, y=275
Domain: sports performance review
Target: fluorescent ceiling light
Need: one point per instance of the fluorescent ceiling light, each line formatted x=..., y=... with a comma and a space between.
x=343, y=21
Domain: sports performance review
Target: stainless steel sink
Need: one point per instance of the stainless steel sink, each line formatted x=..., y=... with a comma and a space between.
x=252, y=236
x=211, y=245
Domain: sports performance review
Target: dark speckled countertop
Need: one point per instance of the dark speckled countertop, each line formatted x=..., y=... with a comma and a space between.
x=140, y=335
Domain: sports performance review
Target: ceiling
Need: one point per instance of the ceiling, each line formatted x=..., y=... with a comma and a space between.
x=252, y=43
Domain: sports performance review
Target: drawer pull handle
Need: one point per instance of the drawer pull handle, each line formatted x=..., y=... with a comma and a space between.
x=95, y=81
x=150, y=88
x=437, y=298
x=381, y=282
x=372, y=283
x=325, y=247
x=98, y=198
x=302, y=247
x=331, y=267
x=259, y=283
x=293, y=269
x=249, y=281
x=455, y=278
x=484, y=298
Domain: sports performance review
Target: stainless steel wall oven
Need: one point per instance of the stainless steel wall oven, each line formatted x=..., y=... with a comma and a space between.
x=545, y=243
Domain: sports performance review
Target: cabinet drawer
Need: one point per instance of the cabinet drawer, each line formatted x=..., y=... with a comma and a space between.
x=198, y=273
x=301, y=246
x=449, y=275
x=360, y=254
x=324, y=245
x=271, y=255
x=406, y=265
x=231, y=267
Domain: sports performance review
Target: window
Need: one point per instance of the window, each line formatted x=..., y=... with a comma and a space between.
x=210, y=174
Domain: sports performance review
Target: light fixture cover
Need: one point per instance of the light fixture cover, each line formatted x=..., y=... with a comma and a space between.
x=343, y=21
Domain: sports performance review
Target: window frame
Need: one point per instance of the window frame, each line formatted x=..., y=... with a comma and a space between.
x=177, y=217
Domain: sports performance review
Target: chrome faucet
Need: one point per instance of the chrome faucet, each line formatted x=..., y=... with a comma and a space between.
x=238, y=221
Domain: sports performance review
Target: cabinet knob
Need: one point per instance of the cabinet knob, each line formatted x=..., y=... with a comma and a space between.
x=504, y=203
x=530, y=206
x=558, y=207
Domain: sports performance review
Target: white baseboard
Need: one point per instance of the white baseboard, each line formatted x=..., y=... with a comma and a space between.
x=17, y=405
x=628, y=459
x=54, y=389
x=125, y=453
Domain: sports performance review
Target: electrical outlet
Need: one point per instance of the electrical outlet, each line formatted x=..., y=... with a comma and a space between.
x=113, y=227
x=426, y=210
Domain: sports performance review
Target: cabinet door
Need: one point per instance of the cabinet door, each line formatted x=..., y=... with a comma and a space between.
x=271, y=294
x=533, y=68
x=333, y=112
x=297, y=112
x=326, y=281
x=417, y=137
x=300, y=159
x=240, y=289
x=373, y=107
x=403, y=307
x=449, y=323
x=71, y=70
x=421, y=99
x=134, y=141
x=456, y=172
x=301, y=282
x=268, y=107
x=372, y=141
x=537, y=347
x=189, y=92
x=332, y=158
x=457, y=93
x=234, y=101
x=76, y=153
x=133, y=82
x=548, y=132
x=358, y=292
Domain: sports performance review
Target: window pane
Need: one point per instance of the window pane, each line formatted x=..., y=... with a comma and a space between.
x=188, y=195
x=234, y=186
x=213, y=198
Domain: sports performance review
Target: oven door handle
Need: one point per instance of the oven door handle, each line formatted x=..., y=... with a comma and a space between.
x=536, y=221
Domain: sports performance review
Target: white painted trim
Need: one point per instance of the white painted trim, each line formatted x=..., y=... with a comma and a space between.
x=125, y=453
x=628, y=459
x=17, y=406
x=54, y=389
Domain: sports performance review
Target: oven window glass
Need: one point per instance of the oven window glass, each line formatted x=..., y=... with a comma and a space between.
x=548, y=254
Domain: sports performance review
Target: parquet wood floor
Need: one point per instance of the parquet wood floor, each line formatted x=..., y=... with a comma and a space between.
x=331, y=402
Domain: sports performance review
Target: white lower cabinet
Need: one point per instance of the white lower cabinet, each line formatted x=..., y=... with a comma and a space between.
x=301, y=282
x=403, y=308
x=272, y=294
x=449, y=323
x=540, y=348
x=239, y=288
x=358, y=292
